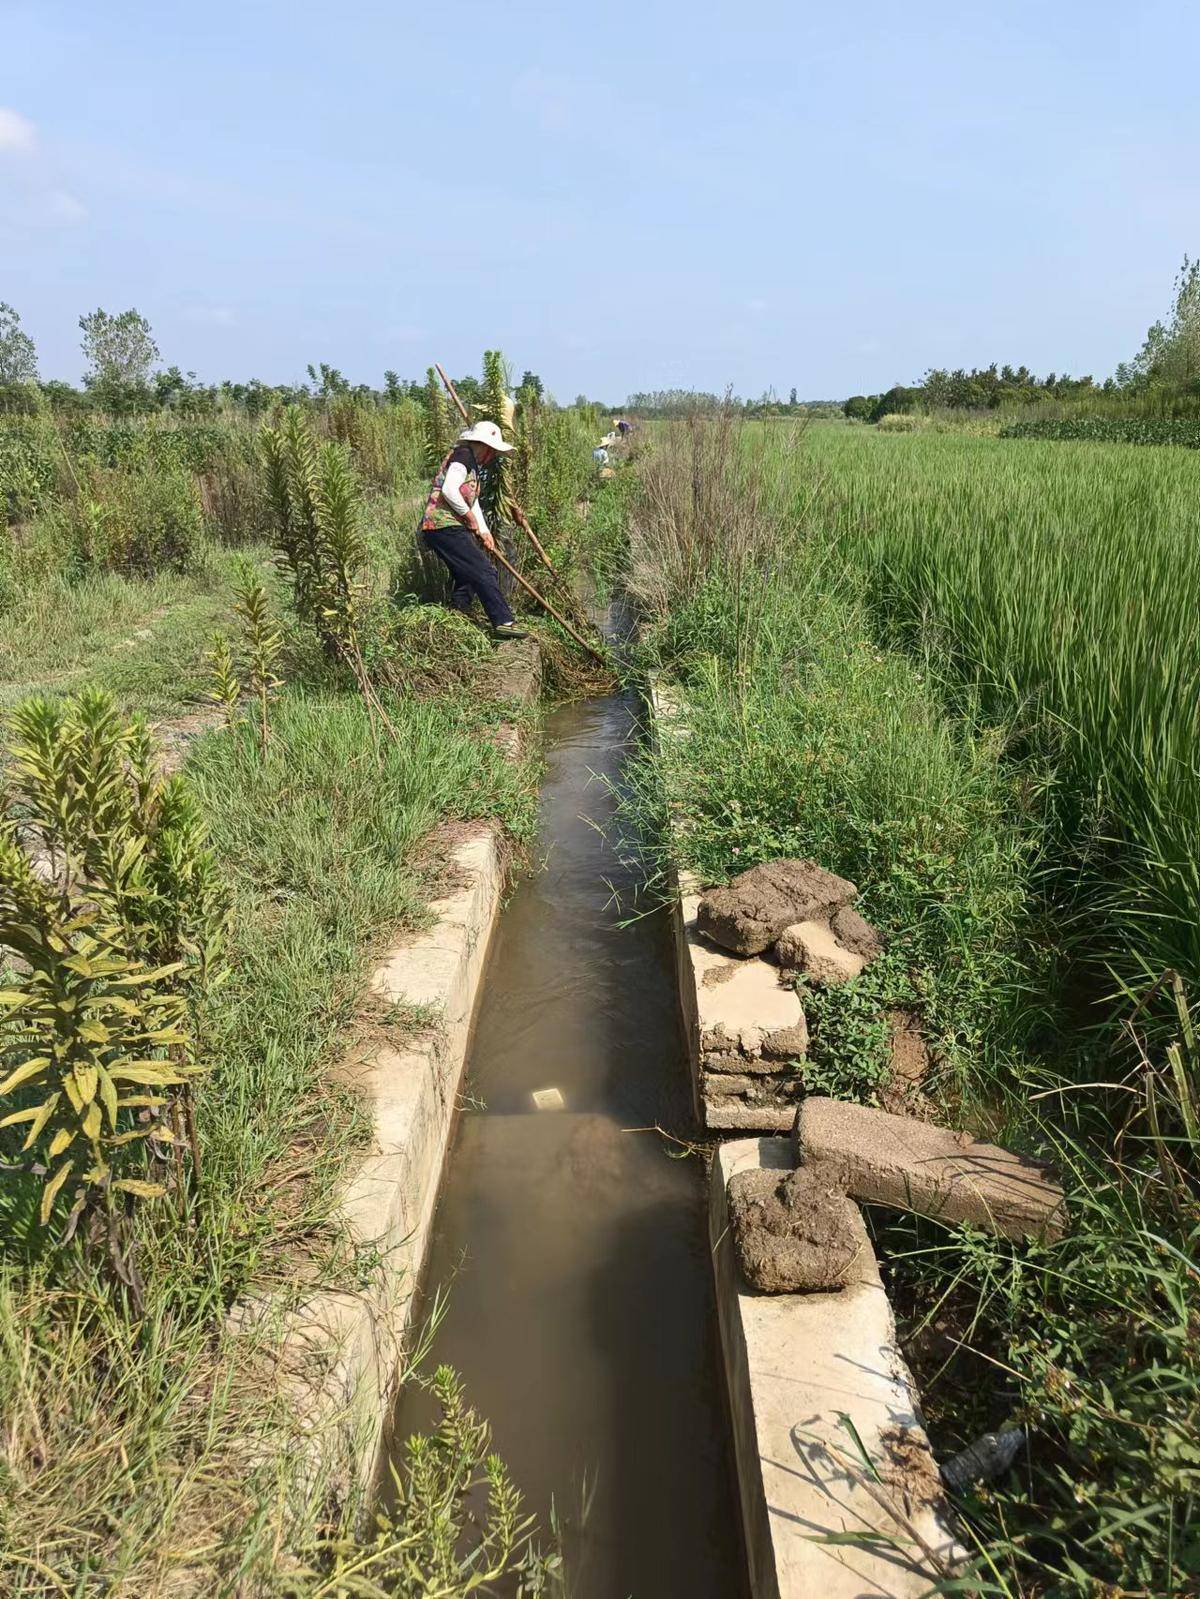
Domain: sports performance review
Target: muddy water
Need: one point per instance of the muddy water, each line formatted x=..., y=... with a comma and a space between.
x=580, y=1292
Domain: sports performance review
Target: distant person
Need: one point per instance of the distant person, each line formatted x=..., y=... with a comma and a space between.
x=455, y=528
x=623, y=427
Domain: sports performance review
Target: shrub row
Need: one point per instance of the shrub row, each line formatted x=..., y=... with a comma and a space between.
x=1111, y=430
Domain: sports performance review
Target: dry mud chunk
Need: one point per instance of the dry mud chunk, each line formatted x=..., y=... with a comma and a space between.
x=750, y=912
x=915, y=1165
x=798, y=1234
x=854, y=932
x=811, y=948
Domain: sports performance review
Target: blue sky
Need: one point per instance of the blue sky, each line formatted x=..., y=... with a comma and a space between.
x=621, y=197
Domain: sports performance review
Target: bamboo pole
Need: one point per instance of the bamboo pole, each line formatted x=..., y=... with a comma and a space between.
x=596, y=654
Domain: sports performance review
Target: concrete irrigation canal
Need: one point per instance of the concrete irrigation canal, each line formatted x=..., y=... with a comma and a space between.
x=575, y=1252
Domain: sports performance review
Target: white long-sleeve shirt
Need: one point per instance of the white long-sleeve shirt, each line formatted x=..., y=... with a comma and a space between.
x=456, y=476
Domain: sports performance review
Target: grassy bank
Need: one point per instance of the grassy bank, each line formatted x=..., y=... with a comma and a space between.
x=818, y=730
x=152, y=1431
x=142, y=1452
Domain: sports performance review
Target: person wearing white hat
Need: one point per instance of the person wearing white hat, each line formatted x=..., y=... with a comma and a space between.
x=455, y=528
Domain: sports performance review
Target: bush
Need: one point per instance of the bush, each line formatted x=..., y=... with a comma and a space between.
x=1184, y=431
x=28, y=469
x=901, y=422
x=231, y=494
x=135, y=522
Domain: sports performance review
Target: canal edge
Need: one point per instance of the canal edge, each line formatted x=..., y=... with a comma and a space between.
x=338, y=1355
x=796, y=1364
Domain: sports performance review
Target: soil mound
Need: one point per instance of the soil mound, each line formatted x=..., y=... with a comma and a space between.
x=750, y=912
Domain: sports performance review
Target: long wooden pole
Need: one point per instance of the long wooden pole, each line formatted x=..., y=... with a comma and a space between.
x=498, y=555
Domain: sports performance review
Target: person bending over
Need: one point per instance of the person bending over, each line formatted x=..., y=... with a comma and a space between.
x=455, y=528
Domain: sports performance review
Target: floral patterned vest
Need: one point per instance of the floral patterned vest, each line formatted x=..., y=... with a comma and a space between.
x=437, y=512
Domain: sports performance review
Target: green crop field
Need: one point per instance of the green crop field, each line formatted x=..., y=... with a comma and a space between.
x=965, y=673
x=1063, y=582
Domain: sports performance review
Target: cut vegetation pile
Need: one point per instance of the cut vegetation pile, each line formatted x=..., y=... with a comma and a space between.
x=963, y=674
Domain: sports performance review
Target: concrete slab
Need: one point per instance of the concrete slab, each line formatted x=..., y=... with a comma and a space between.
x=795, y=1364
x=740, y=997
x=918, y=1166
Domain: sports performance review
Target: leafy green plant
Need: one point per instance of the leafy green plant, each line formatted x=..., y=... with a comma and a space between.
x=316, y=504
x=849, y=1053
x=263, y=641
x=453, y=1524
x=112, y=907
x=439, y=429
x=224, y=685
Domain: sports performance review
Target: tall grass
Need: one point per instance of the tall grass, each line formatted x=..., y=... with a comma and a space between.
x=1062, y=581
x=809, y=734
x=134, y=1455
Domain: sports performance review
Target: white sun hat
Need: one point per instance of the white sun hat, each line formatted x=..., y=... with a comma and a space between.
x=485, y=433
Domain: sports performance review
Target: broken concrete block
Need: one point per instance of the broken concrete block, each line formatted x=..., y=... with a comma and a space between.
x=917, y=1166
x=786, y=1043
x=750, y=912
x=797, y=1233
x=725, y=1060
x=854, y=932
x=811, y=948
x=753, y=1090
x=747, y=1005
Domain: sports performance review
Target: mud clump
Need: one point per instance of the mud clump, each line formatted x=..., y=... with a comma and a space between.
x=750, y=912
x=797, y=1233
x=854, y=932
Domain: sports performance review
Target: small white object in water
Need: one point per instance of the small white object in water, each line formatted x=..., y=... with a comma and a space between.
x=548, y=1099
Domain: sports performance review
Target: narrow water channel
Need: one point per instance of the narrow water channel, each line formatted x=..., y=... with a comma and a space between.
x=574, y=1251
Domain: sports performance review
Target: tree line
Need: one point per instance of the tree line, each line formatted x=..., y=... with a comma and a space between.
x=664, y=404
x=122, y=377
x=1164, y=376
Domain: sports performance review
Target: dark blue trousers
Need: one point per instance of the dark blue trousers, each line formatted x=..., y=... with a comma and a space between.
x=472, y=572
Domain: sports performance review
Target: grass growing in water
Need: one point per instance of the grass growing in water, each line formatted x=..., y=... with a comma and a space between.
x=1060, y=583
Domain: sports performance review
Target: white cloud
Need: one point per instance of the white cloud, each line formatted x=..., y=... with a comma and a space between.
x=211, y=316
x=64, y=207
x=17, y=133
